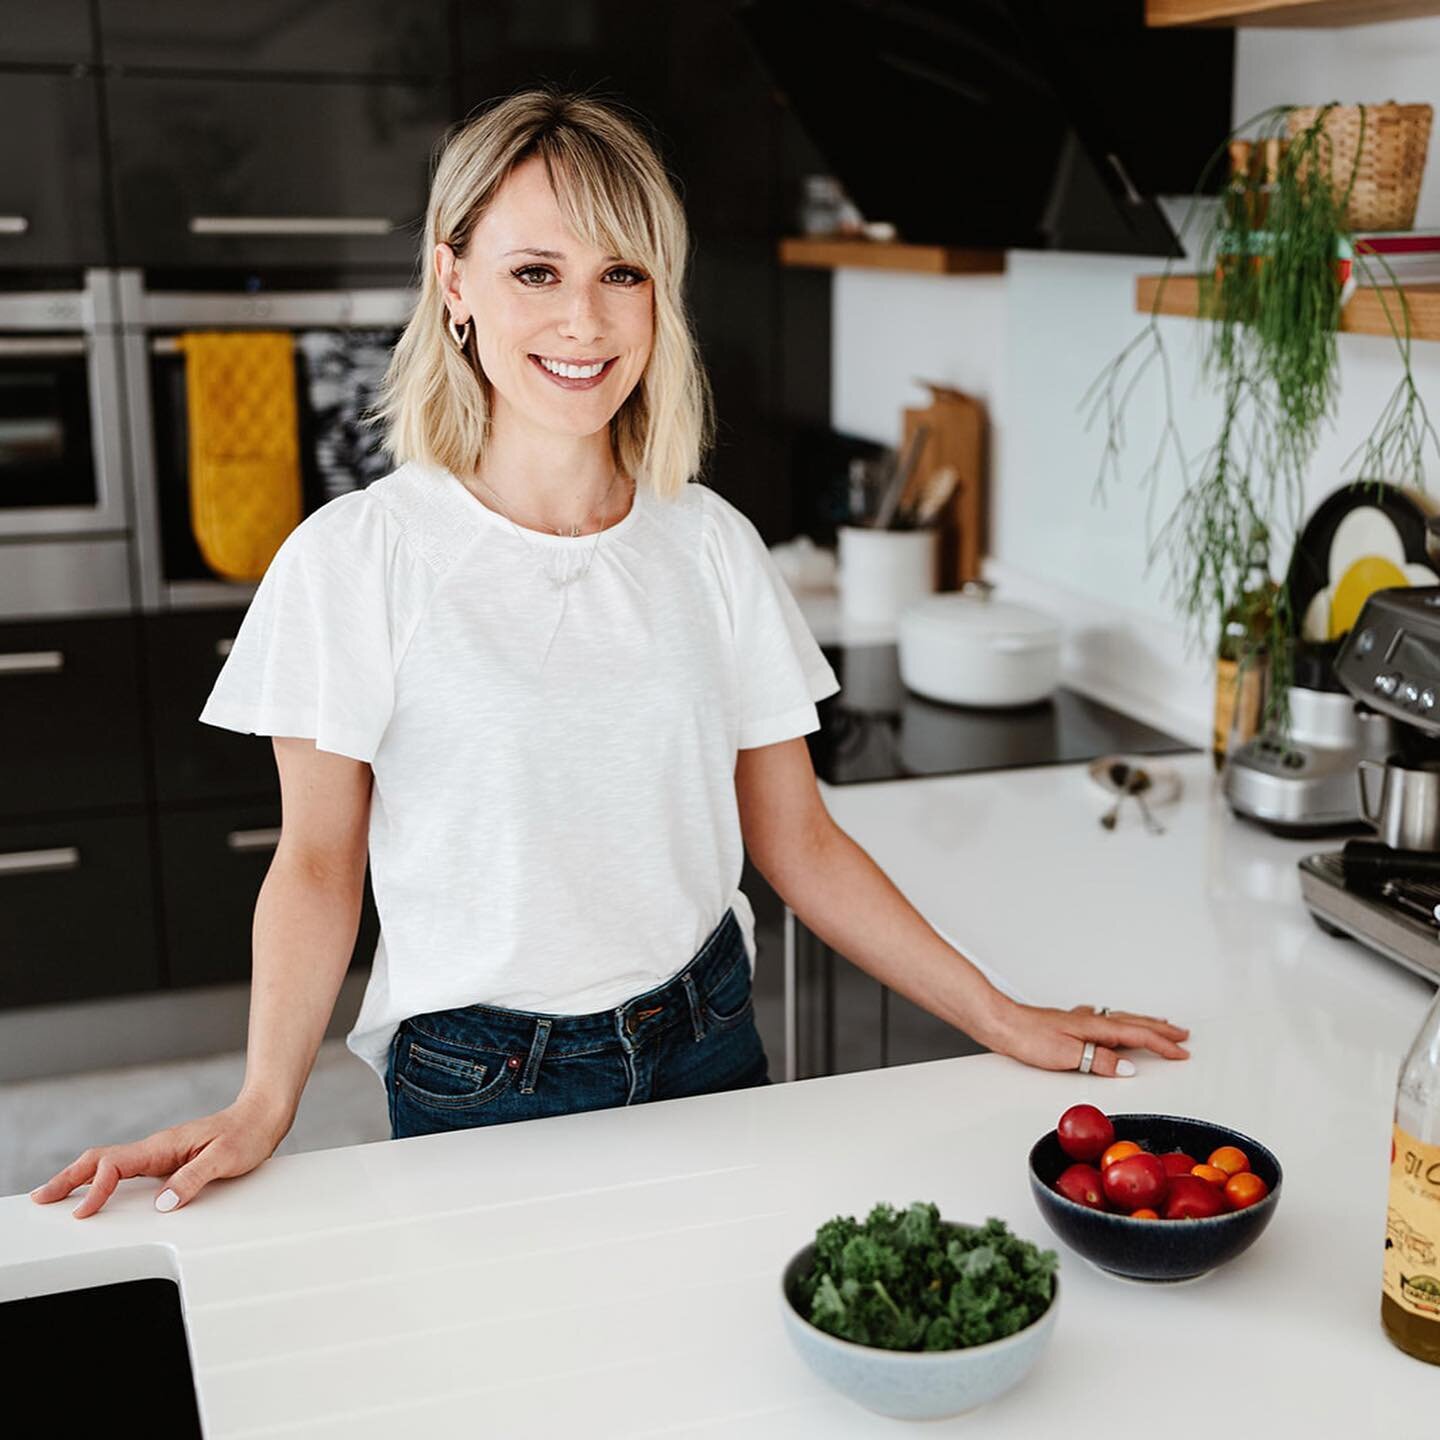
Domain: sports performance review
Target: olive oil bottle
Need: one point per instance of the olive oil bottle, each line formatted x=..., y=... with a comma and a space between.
x=1410, y=1295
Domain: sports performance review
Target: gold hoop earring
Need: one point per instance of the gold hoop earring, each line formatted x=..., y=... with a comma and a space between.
x=458, y=336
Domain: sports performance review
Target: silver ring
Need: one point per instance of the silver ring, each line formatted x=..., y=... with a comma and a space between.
x=1087, y=1058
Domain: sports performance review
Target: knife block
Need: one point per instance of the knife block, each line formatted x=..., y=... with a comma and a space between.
x=958, y=436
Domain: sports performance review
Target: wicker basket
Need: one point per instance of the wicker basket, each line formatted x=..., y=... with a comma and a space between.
x=1392, y=159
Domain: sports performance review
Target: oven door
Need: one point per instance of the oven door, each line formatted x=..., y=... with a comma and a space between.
x=59, y=415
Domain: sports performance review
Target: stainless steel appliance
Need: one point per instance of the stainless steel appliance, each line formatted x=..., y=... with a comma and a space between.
x=1384, y=896
x=63, y=511
x=170, y=570
x=1307, y=785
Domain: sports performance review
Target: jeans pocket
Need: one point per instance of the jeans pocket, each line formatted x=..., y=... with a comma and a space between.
x=730, y=999
x=446, y=1076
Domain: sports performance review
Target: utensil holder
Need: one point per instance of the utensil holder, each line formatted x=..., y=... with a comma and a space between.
x=882, y=571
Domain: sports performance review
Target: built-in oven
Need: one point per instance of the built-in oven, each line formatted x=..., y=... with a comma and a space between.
x=63, y=511
x=342, y=343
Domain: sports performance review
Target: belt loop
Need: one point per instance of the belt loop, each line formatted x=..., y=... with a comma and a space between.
x=696, y=1018
x=537, y=1049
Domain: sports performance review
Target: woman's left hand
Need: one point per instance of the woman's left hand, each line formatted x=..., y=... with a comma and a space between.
x=1055, y=1039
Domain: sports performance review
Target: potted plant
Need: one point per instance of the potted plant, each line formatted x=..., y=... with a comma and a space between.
x=1277, y=259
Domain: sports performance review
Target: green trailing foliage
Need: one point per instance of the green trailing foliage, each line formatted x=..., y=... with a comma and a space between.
x=909, y=1280
x=1270, y=308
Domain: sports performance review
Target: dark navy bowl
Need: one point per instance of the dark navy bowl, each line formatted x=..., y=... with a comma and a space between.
x=1155, y=1250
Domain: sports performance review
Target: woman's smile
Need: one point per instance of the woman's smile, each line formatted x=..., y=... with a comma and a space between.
x=566, y=383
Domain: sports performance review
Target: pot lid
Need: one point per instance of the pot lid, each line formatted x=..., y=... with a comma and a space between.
x=957, y=611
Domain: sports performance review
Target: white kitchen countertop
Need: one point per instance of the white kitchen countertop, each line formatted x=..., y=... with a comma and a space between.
x=617, y=1273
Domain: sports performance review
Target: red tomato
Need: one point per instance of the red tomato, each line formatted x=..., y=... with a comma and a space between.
x=1084, y=1132
x=1245, y=1189
x=1118, y=1151
x=1136, y=1182
x=1177, y=1162
x=1081, y=1183
x=1194, y=1199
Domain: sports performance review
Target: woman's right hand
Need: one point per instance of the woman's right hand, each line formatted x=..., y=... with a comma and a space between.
x=231, y=1142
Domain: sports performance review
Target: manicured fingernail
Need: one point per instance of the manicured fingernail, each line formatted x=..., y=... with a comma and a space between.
x=166, y=1200
x=1124, y=1067
x=36, y=1191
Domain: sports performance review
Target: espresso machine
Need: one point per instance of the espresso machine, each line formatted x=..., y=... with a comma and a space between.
x=1385, y=891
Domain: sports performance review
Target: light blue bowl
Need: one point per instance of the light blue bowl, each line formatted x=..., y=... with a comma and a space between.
x=912, y=1384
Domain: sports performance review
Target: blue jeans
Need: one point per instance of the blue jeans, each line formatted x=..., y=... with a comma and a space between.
x=481, y=1065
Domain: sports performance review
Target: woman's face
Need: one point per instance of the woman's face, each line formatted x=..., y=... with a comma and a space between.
x=573, y=305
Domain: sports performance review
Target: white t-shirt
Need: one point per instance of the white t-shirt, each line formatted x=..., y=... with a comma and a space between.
x=556, y=836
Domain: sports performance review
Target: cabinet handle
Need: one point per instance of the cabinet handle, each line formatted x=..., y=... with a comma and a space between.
x=33, y=862
x=290, y=225
x=222, y=647
x=12, y=347
x=14, y=224
x=35, y=662
x=253, y=839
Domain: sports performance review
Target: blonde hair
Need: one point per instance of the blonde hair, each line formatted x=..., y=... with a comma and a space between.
x=614, y=192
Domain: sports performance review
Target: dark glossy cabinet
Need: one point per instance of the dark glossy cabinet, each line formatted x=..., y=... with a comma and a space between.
x=70, y=716
x=329, y=37
x=77, y=909
x=212, y=864
x=52, y=199
x=272, y=173
x=184, y=652
x=46, y=32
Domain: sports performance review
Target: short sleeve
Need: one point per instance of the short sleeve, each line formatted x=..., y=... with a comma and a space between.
x=782, y=670
x=315, y=653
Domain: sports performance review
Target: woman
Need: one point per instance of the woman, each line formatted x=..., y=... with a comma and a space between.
x=554, y=692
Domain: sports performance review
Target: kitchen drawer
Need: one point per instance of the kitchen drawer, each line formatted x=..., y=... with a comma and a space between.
x=262, y=173
x=184, y=651
x=212, y=864
x=70, y=716
x=339, y=37
x=77, y=913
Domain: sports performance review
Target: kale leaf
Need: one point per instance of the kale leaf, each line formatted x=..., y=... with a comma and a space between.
x=912, y=1281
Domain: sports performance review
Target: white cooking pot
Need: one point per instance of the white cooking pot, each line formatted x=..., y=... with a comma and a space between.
x=965, y=648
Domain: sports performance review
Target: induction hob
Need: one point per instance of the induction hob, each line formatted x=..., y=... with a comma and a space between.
x=873, y=728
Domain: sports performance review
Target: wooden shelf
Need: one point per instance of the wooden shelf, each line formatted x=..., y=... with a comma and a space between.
x=1364, y=314
x=1284, y=12
x=834, y=253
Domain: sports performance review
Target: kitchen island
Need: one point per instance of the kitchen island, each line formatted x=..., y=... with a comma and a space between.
x=617, y=1273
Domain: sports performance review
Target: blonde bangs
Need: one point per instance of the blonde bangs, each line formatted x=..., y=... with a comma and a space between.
x=615, y=194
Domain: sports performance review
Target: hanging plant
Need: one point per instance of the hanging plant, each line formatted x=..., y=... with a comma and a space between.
x=1275, y=256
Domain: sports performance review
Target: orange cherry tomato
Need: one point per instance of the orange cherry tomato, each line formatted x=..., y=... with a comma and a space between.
x=1145, y=1214
x=1230, y=1160
x=1118, y=1151
x=1245, y=1189
x=1212, y=1173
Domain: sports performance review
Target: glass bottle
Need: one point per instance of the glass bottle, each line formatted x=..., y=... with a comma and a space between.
x=1240, y=665
x=1410, y=1292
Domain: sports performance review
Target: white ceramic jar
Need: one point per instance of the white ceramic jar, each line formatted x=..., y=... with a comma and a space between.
x=965, y=648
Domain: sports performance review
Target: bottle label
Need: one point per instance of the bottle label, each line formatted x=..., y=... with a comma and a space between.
x=1412, y=1227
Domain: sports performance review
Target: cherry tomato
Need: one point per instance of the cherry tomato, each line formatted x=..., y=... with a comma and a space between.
x=1245, y=1189
x=1211, y=1175
x=1177, y=1162
x=1230, y=1160
x=1145, y=1214
x=1136, y=1182
x=1118, y=1151
x=1084, y=1132
x=1193, y=1199
x=1081, y=1183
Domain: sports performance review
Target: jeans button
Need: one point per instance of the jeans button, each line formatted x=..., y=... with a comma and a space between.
x=513, y=1062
